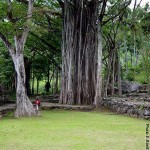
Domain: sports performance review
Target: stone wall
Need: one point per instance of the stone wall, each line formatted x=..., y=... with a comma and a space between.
x=5, y=108
x=134, y=109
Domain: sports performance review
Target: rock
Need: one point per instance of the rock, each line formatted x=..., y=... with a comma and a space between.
x=114, y=107
x=125, y=109
x=148, y=99
x=129, y=87
x=141, y=112
x=147, y=117
x=120, y=104
x=136, y=111
x=131, y=108
x=141, y=116
x=106, y=99
x=118, y=110
x=133, y=115
x=105, y=104
x=130, y=112
x=147, y=113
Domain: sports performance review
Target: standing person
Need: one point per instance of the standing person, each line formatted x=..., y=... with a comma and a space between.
x=37, y=103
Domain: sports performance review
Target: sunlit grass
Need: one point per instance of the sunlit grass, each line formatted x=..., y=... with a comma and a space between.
x=72, y=130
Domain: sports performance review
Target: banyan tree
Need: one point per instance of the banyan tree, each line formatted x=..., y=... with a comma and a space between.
x=81, y=52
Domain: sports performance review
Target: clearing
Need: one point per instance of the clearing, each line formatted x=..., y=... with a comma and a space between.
x=73, y=130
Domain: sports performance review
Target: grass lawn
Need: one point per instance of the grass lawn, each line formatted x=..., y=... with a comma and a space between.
x=72, y=130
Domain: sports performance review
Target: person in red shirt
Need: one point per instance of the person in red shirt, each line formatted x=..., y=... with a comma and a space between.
x=37, y=103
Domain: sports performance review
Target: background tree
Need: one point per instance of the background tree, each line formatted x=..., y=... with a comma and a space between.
x=145, y=37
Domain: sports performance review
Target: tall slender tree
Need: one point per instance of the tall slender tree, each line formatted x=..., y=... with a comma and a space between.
x=24, y=106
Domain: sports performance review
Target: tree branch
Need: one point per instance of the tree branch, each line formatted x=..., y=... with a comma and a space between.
x=49, y=12
x=55, y=50
x=104, y=22
x=102, y=11
x=9, y=13
x=134, y=11
x=8, y=45
x=5, y=41
x=27, y=23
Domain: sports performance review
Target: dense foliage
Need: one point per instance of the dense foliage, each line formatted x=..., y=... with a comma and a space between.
x=126, y=36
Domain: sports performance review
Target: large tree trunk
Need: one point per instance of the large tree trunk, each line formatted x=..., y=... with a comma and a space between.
x=81, y=53
x=119, y=74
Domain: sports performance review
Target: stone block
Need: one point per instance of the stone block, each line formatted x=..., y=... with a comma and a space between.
x=147, y=113
x=141, y=112
x=118, y=110
x=130, y=112
x=125, y=109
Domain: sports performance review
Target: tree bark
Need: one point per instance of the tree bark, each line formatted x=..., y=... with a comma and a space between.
x=24, y=106
x=119, y=74
x=81, y=53
x=113, y=75
x=98, y=98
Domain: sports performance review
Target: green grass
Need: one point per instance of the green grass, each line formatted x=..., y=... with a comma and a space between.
x=72, y=130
